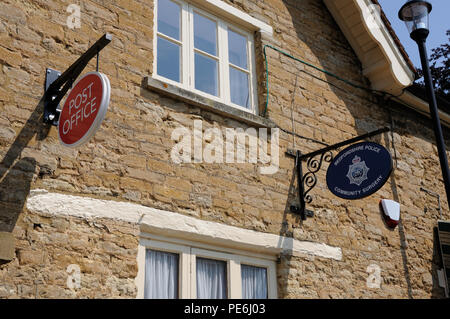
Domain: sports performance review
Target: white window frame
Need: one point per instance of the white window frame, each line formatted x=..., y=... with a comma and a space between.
x=188, y=251
x=187, y=68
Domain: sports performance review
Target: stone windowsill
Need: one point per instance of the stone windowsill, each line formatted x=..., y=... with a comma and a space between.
x=206, y=103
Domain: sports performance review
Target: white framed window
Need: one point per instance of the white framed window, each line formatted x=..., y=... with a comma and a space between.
x=204, y=53
x=183, y=270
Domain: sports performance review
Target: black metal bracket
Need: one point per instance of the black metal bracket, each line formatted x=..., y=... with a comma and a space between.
x=306, y=182
x=57, y=84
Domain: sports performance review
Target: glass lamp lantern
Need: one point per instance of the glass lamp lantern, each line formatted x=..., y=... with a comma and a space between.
x=415, y=15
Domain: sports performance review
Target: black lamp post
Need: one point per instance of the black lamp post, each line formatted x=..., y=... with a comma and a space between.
x=415, y=15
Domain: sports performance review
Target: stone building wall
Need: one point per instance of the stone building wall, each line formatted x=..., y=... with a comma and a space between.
x=129, y=157
x=105, y=252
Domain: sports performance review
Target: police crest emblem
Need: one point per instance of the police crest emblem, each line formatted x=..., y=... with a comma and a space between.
x=357, y=172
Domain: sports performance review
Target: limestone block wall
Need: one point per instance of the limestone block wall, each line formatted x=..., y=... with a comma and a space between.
x=129, y=157
x=47, y=247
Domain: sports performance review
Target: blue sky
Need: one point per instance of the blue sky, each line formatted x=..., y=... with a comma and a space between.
x=439, y=23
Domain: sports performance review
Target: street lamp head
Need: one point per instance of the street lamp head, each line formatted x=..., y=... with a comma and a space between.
x=415, y=15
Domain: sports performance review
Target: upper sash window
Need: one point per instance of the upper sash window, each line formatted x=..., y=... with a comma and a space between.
x=205, y=54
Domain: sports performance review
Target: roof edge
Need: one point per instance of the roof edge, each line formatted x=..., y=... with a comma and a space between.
x=394, y=36
x=384, y=63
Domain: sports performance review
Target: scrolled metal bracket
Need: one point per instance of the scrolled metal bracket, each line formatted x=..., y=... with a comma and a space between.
x=308, y=181
x=314, y=161
x=314, y=165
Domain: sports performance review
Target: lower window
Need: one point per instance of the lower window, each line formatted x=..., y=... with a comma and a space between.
x=254, y=282
x=211, y=278
x=161, y=275
x=183, y=271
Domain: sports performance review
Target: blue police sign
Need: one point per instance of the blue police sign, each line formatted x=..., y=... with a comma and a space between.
x=359, y=170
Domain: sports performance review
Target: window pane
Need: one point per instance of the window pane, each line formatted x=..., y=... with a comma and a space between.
x=206, y=74
x=205, y=34
x=211, y=279
x=169, y=14
x=254, y=282
x=239, y=88
x=168, y=62
x=237, y=49
x=161, y=275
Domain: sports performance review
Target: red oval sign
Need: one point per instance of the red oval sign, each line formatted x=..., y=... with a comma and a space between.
x=84, y=109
